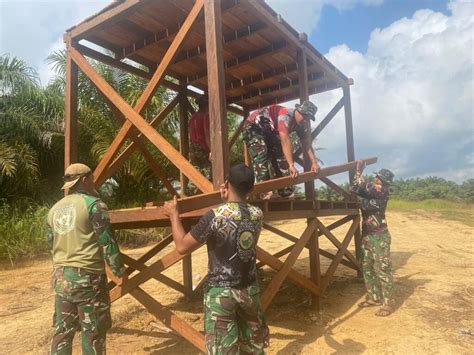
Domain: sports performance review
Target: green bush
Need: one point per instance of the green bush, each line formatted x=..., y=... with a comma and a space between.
x=22, y=231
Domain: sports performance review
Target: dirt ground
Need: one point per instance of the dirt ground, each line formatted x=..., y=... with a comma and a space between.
x=433, y=261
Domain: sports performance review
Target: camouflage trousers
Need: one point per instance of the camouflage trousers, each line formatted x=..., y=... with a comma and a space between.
x=81, y=303
x=267, y=155
x=234, y=321
x=377, y=267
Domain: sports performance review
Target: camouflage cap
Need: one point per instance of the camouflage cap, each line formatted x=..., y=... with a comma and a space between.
x=73, y=173
x=385, y=175
x=307, y=109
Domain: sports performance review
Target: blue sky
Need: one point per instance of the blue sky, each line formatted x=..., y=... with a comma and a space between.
x=353, y=26
x=411, y=61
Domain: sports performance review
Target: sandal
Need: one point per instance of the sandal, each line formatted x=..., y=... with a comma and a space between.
x=384, y=311
x=369, y=303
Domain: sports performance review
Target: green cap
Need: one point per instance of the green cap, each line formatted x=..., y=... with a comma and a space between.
x=307, y=109
x=385, y=175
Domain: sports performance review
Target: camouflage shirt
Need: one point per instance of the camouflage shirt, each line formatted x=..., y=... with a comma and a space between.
x=70, y=243
x=231, y=232
x=374, y=200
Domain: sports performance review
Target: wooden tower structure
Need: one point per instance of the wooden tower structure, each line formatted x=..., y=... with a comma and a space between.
x=244, y=56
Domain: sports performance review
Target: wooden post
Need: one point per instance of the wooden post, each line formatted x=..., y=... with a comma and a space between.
x=216, y=92
x=349, y=132
x=70, y=129
x=183, y=135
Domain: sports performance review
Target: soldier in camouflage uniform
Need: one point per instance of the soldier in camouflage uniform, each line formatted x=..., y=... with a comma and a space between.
x=80, y=239
x=267, y=134
x=376, y=263
x=233, y=320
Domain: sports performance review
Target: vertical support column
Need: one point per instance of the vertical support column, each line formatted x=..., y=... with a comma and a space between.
x=358, y=249
x=70, y=127
x=313, y=244
x=216, y=92
x=246, y=153
x=349, y=132
x=183, y=134
x=304, y=95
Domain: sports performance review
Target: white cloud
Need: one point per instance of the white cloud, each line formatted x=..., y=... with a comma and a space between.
x=304, y=15
x=31, y=29
x=413, y=95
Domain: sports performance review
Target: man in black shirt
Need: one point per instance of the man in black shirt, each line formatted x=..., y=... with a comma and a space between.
x=233, y=316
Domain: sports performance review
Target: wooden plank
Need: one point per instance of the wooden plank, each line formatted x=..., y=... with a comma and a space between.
x=343, y=261
x=268, y=259
x=170, y=319
x=314, y=266
x=70, y=121
x=210, y=199
x=134, y=118
x=278, y=279
x=349, y=131
x=216, y=92
x=237, y=132
x=340, y=253
x=134, y=264
x=146, y=96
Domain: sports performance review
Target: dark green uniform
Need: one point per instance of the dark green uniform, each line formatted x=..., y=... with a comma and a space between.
x=80, y=239
x=376, y=262
x=234, y=319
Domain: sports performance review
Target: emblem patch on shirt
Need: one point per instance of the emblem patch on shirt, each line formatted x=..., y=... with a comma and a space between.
x=246, y=240
x=64, y=219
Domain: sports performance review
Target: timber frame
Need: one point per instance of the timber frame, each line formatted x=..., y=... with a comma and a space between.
x=242, y=56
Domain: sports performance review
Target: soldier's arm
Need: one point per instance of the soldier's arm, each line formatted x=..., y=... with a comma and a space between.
x=105, y=236
x=359, y=186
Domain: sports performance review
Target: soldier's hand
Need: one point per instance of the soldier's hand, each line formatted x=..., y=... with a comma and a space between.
x=293, y=171
x=360, y=166
x=315, y=167
x=119, y=280
x=170, y=208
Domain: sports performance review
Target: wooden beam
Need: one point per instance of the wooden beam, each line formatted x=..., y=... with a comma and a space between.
x=334, y=264
x=166, y=34
x=244, y=59
x=277, y=23
x=132, y=146
x=135, y=119
x=70, y=127
x=343, y=261
x=236, y=133
x=278, y=279
x=337, y=243
x=235, y=35
x=170, y=319
x=268, y=259
x=323, y=123
x=183, y=135
x=346, y=195
x=349, y=132
x=136, y=265
x=314, y=78
x=146, y=96
x=292, y=96
x=216, y=91
x=110, y=15
x=266, y=75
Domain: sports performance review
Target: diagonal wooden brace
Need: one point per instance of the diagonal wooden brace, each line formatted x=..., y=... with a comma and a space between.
x=337, y=259
x=132, y=146
x=133, y=118
x=278, y=279
x=337, y=243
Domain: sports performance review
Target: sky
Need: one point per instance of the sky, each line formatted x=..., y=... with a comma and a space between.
x=411, y=61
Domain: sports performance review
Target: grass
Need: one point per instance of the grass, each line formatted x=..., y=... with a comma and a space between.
x=455, y=211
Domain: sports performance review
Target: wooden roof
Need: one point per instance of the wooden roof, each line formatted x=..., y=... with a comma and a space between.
x=259, y=48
